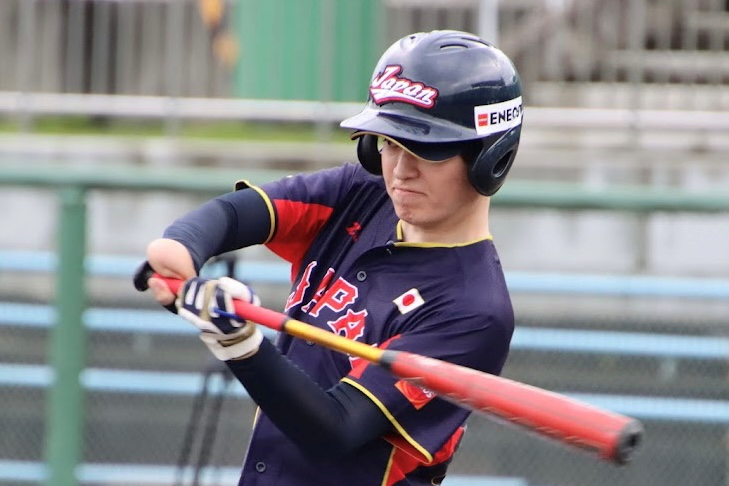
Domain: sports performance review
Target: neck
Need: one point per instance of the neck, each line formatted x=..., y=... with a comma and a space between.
x=466, y=226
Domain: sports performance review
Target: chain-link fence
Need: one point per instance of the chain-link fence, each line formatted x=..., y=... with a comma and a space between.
x=159, y=409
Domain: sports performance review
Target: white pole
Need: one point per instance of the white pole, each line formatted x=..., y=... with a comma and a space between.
x=488, y=20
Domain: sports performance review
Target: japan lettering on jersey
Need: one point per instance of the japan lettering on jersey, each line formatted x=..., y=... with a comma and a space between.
x=337, y=297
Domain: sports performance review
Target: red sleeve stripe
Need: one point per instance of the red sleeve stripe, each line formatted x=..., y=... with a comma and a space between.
x=403, y=460
x=297, y=224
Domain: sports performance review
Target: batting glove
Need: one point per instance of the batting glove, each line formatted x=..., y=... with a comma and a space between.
x=208, y=304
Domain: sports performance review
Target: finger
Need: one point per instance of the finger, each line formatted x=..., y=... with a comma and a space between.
x=161, y=291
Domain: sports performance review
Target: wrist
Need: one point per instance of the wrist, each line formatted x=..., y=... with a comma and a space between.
x=233, y=349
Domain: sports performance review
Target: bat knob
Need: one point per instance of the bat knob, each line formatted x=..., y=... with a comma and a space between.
x=629, y=440
x=141, y=275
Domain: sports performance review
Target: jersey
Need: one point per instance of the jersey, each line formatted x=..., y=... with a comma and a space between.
x=353, y=275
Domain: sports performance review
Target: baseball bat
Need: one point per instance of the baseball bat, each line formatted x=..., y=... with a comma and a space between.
x=605, y=434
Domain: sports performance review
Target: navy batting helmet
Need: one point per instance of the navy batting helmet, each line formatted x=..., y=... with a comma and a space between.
x=440, y=94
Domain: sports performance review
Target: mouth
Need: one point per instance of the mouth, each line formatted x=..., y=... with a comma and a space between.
x=405, y=190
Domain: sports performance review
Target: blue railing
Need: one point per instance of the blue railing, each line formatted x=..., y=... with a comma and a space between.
x=660, y=346
x=545, y=339
x=273, y=272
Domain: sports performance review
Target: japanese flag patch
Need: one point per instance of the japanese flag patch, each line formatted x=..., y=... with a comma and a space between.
x=409, y=301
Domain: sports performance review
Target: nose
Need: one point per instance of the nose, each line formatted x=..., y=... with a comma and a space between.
x=406, y=166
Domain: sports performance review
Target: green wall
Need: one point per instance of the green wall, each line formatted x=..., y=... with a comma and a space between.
x=307, y=49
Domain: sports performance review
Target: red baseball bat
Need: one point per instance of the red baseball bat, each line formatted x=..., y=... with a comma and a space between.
x=606, y=434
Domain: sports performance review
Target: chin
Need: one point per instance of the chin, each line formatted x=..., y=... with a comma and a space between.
x=412, y=219
x=405, y=214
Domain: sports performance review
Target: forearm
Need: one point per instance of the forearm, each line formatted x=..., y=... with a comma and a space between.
x=321, y=422
x=226, y=223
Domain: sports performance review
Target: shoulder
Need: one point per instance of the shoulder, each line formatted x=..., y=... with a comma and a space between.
x=358, y=189
x=484, y=280
x=348, y=171
x=474, y=287
x=325, y=187
x=346, y=177
x=360, y=177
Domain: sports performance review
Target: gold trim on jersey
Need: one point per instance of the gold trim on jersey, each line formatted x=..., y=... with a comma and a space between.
x=399, y=234
x=244, y=184
x=427, y=455
x=390, y=461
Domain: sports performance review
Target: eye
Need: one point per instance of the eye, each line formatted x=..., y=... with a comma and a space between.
x=382, y=143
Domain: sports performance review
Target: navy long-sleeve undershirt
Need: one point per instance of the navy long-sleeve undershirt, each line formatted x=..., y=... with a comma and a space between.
x=322, y=422
x=235, y=220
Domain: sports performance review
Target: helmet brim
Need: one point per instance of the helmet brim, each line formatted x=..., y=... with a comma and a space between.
x=432, y=152
x=405, y=128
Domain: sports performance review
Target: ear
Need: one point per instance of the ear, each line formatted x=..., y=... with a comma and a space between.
x=369, y=155
x=489, y=170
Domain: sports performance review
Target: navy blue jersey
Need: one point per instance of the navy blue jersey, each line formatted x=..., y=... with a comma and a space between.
x=352, y=275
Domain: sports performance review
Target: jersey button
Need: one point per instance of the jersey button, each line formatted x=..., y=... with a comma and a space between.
x=261, y=467
x=361, y=275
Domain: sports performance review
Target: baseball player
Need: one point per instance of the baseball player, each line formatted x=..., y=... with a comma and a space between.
x=394, y=251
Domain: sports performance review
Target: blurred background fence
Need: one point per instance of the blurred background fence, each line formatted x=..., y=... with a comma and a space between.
x=614, y=227
x=324, y=50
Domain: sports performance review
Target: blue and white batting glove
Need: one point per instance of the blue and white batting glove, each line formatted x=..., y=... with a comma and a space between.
x=208, y=304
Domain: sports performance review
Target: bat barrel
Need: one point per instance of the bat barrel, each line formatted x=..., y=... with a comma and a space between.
x=608, y=435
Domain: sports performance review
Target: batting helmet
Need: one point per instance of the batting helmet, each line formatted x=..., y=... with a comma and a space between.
x=440, y=94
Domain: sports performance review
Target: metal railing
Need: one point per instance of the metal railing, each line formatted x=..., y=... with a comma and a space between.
x=230, y=109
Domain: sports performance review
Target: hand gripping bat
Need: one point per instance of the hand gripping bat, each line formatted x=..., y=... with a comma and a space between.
x=610, y=436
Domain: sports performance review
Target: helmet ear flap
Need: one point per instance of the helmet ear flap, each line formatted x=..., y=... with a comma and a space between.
x=488, y=171
x=369, y=155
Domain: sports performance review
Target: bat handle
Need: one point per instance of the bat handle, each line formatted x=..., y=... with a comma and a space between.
x=141, y=275
x=145, y=271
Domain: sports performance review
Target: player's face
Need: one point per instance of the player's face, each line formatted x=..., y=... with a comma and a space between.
x=432, y=196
